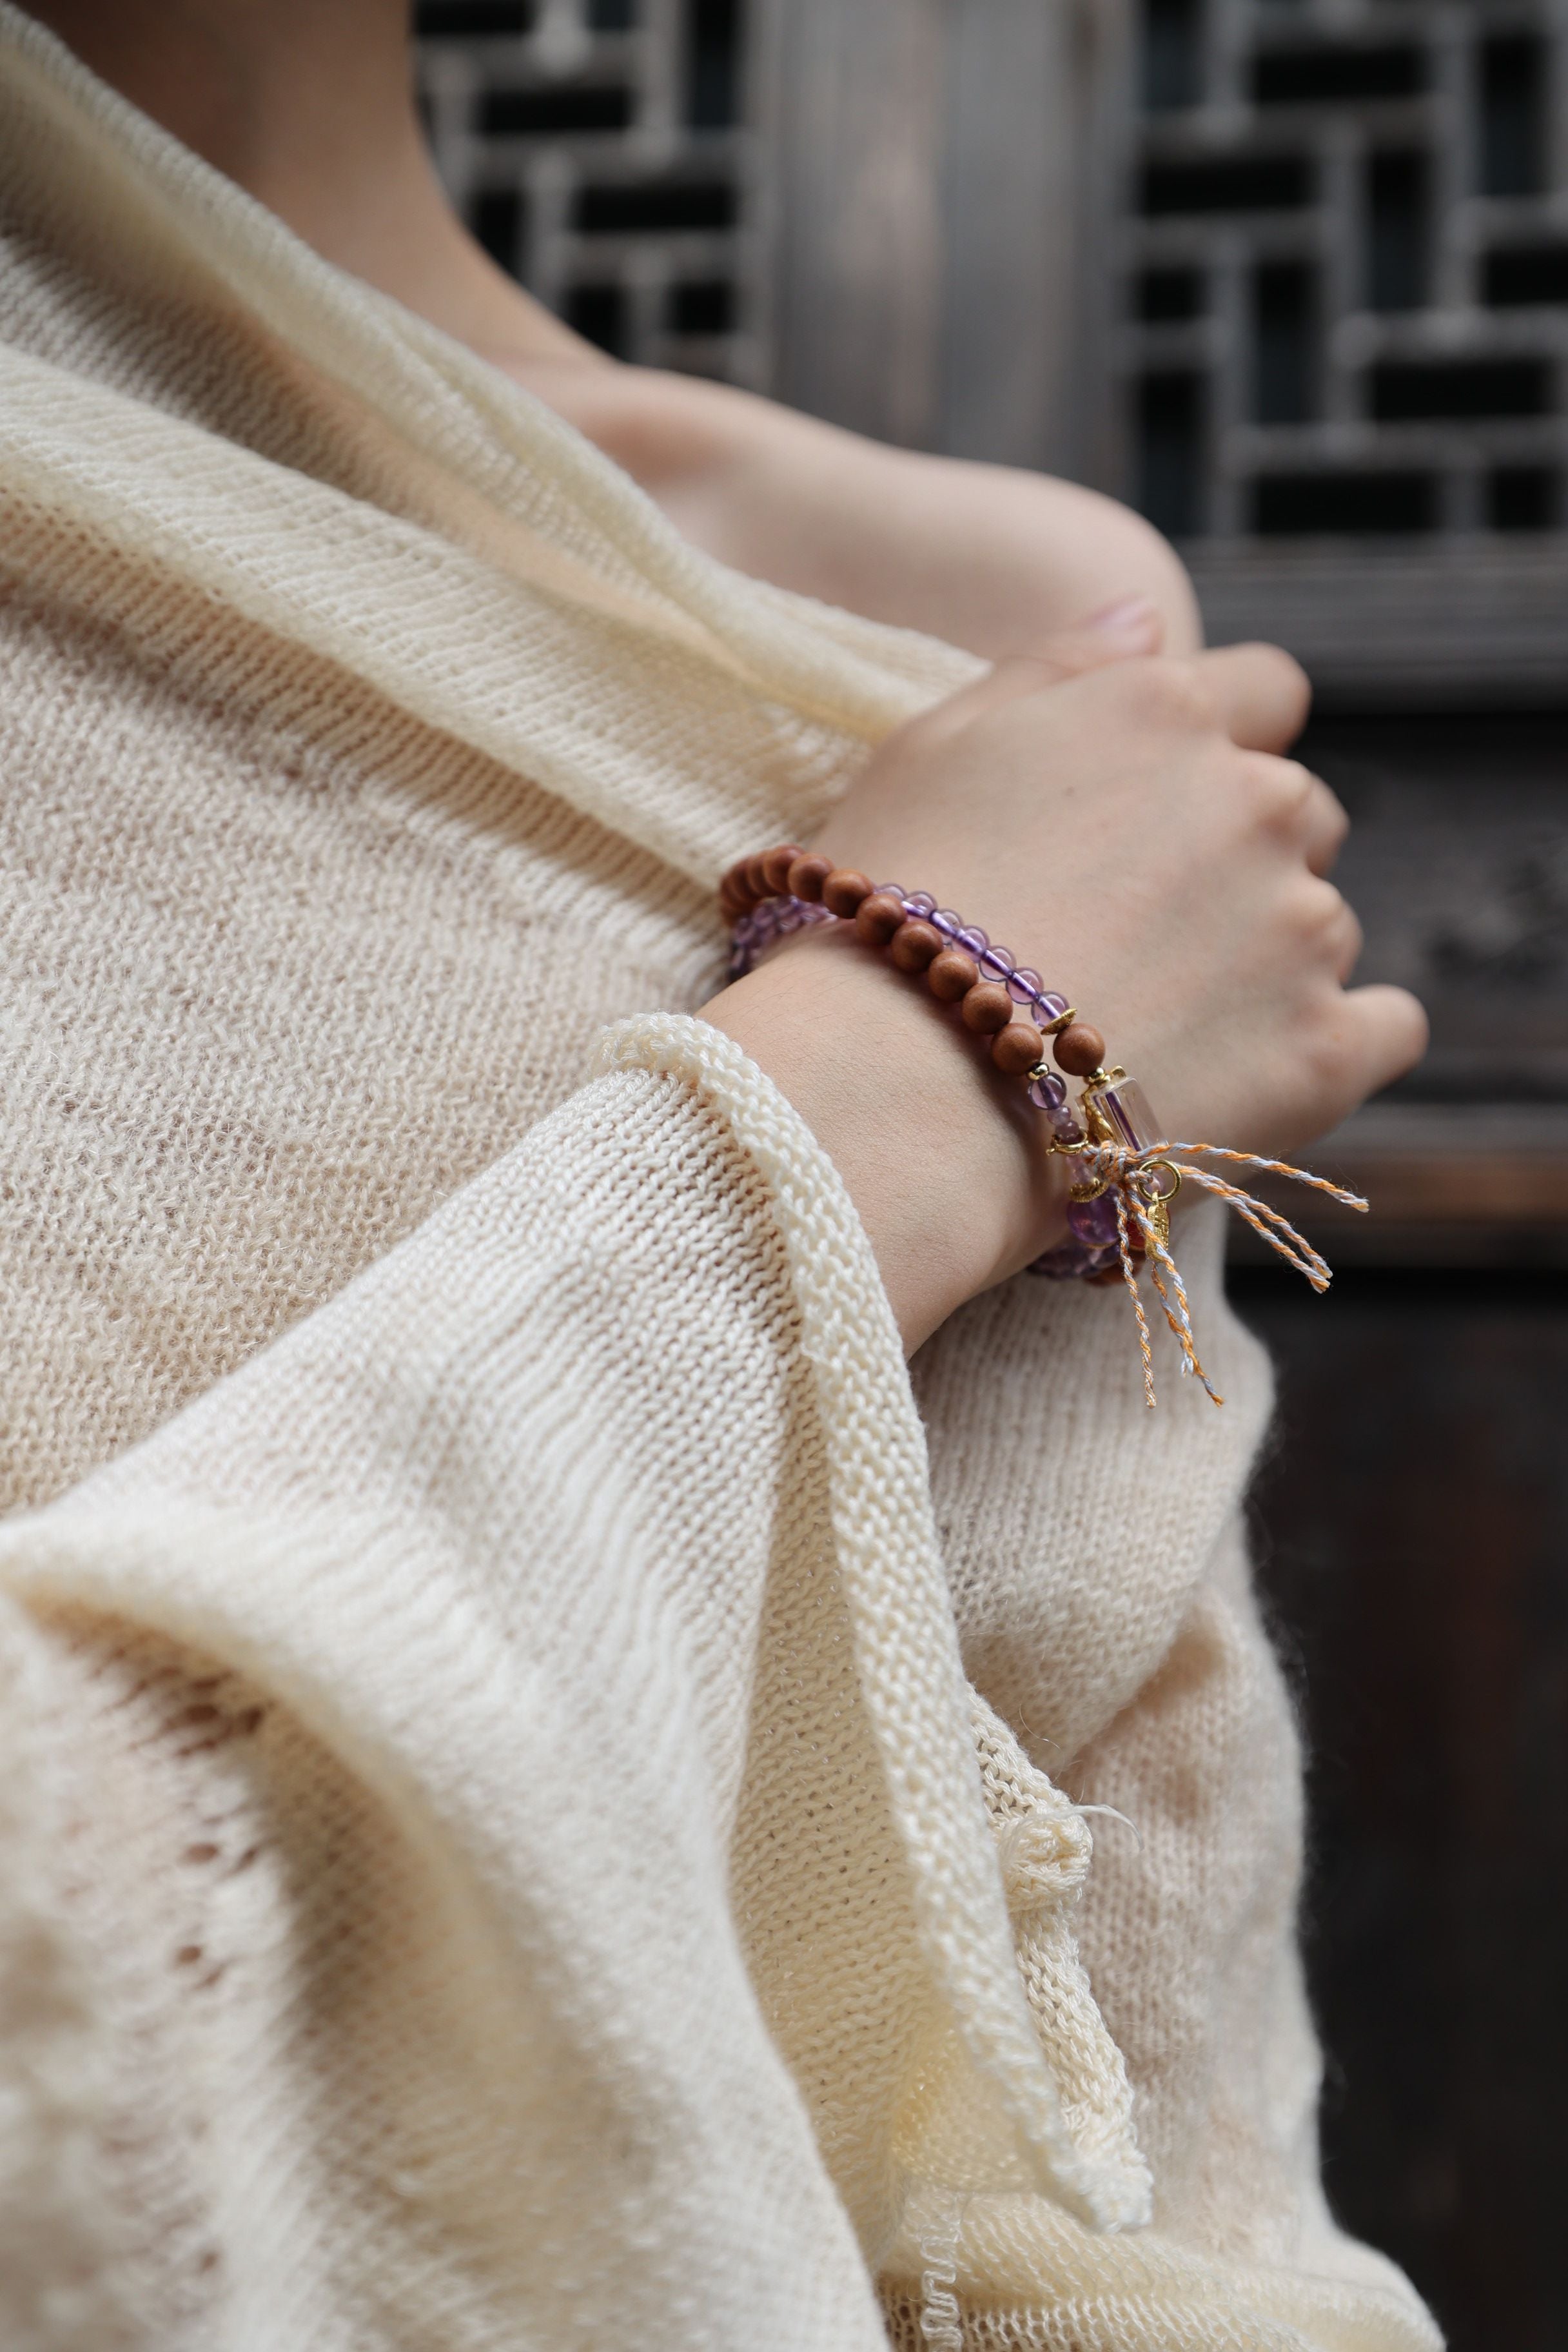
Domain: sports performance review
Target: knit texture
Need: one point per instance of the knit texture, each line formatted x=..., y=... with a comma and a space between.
x=540, y=1775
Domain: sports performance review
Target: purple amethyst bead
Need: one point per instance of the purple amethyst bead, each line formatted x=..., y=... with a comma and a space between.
x=973, y=940
x=1024, y=986
x=1068, y=1263
x=891, y=889
x=922, y=903
x=996, y=963
x=1048, y=1005
x=1094, y=1221
x=1047, y=1092
x=945, y=921
x=791, y=915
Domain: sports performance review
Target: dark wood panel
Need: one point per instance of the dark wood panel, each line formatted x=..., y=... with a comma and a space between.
x=1413, y=1537
x=1460, y=620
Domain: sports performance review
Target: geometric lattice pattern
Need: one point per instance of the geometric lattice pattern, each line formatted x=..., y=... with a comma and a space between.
x=1347, y=261
x=599, y=150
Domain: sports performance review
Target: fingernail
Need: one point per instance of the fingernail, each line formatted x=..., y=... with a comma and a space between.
x=1133, y=619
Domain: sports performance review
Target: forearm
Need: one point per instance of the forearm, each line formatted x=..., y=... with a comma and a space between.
x=952, y=1181
x=989, y=557
x=1002, y=560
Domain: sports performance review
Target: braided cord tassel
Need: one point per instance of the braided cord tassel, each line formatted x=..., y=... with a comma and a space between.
x=1118, y=1171
x=1130, y=1276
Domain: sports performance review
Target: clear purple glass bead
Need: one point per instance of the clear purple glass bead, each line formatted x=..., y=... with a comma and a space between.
x=1094, y=1221
x=1068, y=1263
x=777, y=916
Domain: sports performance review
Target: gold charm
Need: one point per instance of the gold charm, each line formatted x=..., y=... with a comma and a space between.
x=1158, y=1185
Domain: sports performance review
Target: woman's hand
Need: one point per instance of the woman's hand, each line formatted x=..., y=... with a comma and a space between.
x=1127, y=827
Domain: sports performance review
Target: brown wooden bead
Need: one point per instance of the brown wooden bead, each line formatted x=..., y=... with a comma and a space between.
x=1080, y=1050
x=807, y=874
x=756, y=880
x=879, y=916
x=915, y=944
x=952, y=975
x=734, y=899
x=987, y=1008
x=844, y=889
x=1017, y=1048
x=776, y=864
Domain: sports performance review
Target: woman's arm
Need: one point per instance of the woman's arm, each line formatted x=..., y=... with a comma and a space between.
x=985, y=556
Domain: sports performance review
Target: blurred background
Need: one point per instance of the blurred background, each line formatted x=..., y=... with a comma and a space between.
x=1292, y=275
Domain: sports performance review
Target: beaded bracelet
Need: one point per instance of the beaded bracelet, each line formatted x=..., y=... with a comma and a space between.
x=1124, y=1176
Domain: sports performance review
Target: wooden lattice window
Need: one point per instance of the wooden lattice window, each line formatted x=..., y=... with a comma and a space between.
x=601, y=150
x=1346, y=351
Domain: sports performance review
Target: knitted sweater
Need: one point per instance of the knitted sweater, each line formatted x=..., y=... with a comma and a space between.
x=540, y=1767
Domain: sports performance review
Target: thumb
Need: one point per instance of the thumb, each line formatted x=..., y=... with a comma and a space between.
x=1123, y=630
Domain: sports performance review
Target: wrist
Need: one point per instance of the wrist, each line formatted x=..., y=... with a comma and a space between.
x=946, y=1167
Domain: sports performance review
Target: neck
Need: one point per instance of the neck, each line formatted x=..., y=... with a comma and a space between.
x=309, y=106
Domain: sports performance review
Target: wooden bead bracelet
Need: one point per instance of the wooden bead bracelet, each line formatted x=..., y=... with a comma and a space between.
x=997, y=998
x=1125, y=1177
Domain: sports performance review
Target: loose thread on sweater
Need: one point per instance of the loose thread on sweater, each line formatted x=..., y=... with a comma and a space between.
x=1112, y=1815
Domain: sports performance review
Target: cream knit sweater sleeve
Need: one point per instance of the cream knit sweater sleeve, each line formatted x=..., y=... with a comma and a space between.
x=386, y=1933
x=393, y=1648
x=498, y=1846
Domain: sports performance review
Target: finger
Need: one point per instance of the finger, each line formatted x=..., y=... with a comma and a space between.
x=1325, y=825
x=1120, y=633
x=1346, y=941
x=1388, y=1034
x=1262, y=696
x=1308, y=814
